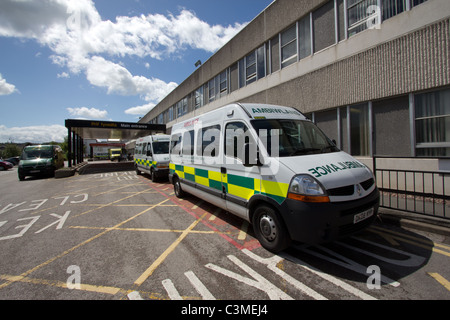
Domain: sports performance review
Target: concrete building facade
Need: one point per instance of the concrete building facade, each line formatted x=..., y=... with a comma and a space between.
x=373, y=74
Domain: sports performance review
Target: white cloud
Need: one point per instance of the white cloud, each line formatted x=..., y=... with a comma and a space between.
x=140, y=110
x=63, y=75
x=88, y=113
x=81, y=41
x=117, y=79
x=5, y=87
x=35, y=134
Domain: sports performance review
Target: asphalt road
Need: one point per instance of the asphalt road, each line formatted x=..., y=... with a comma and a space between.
x=119, y=236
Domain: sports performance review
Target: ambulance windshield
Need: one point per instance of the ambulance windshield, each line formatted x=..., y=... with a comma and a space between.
x=288, y=138
x=161, y=147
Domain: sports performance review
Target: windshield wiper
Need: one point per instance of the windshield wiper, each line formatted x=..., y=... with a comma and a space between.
x=332, y=149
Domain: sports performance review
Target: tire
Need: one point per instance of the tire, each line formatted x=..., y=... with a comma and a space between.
x=153, y=175
x=270, y=229
x=177, y=188
x=137, y=171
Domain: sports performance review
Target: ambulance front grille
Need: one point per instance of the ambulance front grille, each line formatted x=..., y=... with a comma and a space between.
x=342, y=191
x=350, y=189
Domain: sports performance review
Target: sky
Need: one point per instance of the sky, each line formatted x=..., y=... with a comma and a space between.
x=109, y=60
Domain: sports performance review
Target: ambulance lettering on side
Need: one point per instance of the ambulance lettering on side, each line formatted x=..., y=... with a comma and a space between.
x=151, y=155
x=276, y=169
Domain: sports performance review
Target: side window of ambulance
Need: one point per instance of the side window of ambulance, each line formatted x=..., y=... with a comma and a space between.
x=188, y=143
x=144, y=148
x=236, y=135
x=208, y=141
x=138, y=149
x=175, y=144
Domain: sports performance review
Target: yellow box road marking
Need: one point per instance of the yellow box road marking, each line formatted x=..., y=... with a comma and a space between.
x=147, y=273
x=111, y=203
x=26, y=273
x=151, y=230
x=440, y=279
x=421, y=243
x=60, y=284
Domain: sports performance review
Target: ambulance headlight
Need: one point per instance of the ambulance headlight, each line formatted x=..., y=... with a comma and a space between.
x=306, y=188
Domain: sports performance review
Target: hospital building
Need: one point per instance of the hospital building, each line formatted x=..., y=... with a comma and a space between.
x=374, y=75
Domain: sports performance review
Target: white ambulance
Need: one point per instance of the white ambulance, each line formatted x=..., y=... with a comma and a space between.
x=276, y=169
x=151, y=155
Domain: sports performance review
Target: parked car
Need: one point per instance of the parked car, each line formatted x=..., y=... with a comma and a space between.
x=5, y=165
x=13, y=160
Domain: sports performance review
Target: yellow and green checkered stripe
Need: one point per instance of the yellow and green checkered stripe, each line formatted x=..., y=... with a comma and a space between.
x=146, y=163
x=239, y=186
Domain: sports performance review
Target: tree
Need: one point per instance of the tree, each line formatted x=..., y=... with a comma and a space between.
x=65, y=146
x=11, y=150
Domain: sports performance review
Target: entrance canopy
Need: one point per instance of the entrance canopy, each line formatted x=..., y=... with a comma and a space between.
x=96, y=129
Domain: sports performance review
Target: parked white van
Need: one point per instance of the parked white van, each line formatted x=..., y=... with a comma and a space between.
x=151, y=155
x=276, y=169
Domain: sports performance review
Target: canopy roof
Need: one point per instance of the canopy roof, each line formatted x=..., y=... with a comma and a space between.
x=97, y=129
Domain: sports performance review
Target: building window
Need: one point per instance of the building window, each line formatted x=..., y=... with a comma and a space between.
x=234, y=77
x=304, y=35
x=223, y=83
x=241, y=71
x=323, y=20
x=432, y=112
x=160, y=118
x=170, y=116
x=250, y=68
x=275, y=53
x=289, y=46
x=199, y=97
x=327, y=122
x=261, y=62
x=341, y=32
x=387, y=114
x=212, y=89
x=359, y=130
x=181, y=107
x=391, y=8
x=361, y=15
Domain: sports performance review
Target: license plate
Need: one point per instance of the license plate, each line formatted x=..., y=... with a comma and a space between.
x=362, y=215
x=35, y=171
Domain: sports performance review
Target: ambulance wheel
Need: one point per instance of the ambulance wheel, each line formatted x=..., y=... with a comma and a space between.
x=153, y=175
x=177, y=188
x=137, y=171
x=270, y=229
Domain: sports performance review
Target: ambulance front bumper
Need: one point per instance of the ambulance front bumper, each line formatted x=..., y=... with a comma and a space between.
x=314, y=223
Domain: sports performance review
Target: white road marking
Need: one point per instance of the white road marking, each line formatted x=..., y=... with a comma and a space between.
x=199, y=286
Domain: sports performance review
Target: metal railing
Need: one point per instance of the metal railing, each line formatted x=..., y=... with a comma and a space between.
x=417, y=191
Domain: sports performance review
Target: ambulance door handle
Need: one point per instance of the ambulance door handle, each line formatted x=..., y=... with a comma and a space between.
x=223, y=170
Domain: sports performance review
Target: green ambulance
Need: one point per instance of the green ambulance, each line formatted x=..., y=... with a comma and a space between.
x=151, y=155
x=276, y=169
